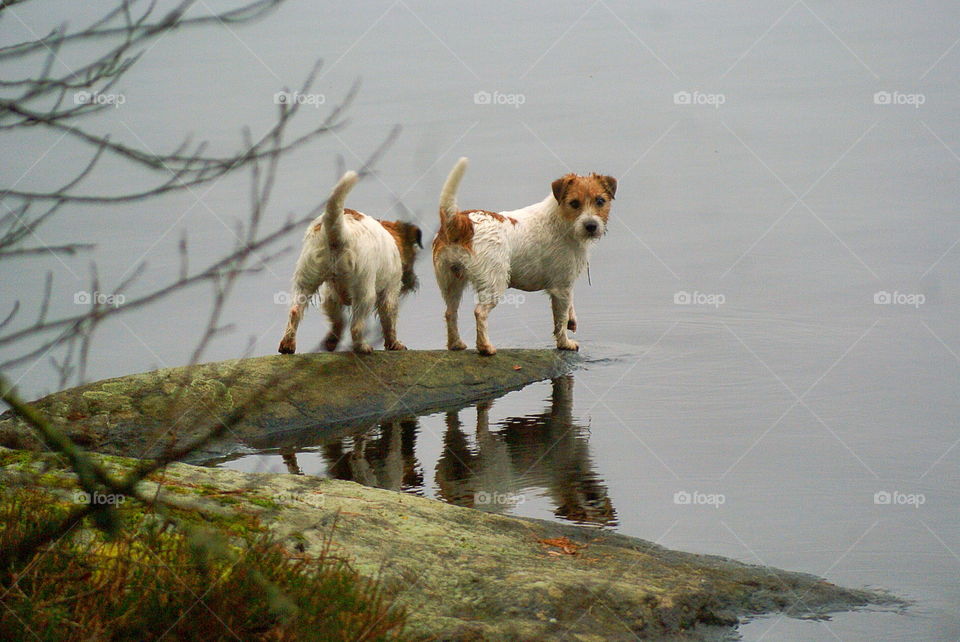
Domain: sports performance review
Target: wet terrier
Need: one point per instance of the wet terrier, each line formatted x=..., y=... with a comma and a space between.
x=543, y=246
x=360, y=262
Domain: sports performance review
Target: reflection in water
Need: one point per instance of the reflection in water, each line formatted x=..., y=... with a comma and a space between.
x=500, y=467
x=290, y=459
x=546, y=450
x=383, y=457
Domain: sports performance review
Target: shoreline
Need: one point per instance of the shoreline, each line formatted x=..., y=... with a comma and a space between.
x=466, y=574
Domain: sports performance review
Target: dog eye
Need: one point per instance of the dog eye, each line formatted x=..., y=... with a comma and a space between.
x=600, y=201
x=575, y=204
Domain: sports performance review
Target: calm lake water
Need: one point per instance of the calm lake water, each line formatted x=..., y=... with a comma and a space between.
x=771, y=325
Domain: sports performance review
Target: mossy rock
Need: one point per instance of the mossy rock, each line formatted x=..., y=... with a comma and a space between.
x=140, y=415
x=463, y=574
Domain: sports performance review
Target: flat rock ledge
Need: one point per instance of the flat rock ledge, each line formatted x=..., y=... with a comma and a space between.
x=297, y=395
x=464, y=574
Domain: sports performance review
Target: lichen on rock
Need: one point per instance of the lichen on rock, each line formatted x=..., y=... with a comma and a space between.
x=465, y=574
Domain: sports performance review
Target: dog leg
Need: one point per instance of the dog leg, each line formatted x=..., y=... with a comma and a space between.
x=571, y=317
x=360, y=310
x=288, y=344
x=303, y=288
x=487, y=303
x=334, y=311
x=452, y=289
x=560, y=302
x=387, y=306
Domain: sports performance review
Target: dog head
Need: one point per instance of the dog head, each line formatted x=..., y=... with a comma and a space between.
x=409, y=240
x=584, y=202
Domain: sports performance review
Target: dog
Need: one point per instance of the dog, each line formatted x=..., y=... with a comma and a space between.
x=543, y=246
x=360, y=262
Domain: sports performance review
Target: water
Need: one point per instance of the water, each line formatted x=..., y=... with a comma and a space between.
x=784, y=213
x=473, y=456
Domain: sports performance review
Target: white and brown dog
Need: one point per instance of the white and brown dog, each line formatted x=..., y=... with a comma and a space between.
x=361, y=262
x=543, y=246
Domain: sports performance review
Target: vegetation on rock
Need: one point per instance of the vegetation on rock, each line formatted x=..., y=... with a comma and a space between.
x=154, y=580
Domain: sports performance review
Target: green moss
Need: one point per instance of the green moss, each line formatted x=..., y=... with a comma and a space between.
x=18, y=458
x=235, y=524
x=177, y=490
x=57, y=479
x=264, y=503
x=154, y=405
x=113, y=387
x=104, y=401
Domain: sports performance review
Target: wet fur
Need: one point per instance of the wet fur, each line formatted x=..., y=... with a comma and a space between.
x=543, y=246
x=354, y=260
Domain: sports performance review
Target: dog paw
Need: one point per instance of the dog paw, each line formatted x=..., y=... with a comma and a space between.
x=331, y=342
x=459, y=345
x=572, y=325
x=362, y=348
x=396, y=345
x=287, y=346
x=569, y=345
x=486, y=350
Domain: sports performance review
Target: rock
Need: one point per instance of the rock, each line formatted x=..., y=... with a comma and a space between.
x=140, y=415
x=465, y=574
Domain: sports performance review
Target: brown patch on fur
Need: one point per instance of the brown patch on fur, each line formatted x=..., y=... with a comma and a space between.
x=458, y=229
x=354, y=214
x=455, y=230
x=500, y=218
x=408, y=238
x=584, y=191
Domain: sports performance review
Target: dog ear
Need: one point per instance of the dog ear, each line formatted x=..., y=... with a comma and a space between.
x=418, y=235
x=560, y=187
x=610, y=184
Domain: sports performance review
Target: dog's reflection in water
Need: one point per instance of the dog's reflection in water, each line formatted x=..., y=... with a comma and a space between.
x=511, y=462
x=548, y=451
x=383, y=457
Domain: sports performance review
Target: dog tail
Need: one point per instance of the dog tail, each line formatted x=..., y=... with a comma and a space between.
x=333, y=215
x=448, y=196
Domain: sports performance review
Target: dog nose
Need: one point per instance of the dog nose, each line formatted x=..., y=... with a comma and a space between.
x=591, y=227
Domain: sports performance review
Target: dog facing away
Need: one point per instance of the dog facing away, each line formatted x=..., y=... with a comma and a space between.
x=543, y=246
x=360, y=262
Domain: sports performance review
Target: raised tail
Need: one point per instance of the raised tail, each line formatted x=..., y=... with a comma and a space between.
x=448, y=195
x=333, y=215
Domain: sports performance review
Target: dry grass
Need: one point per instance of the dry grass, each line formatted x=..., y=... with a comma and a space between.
x=154, y=581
